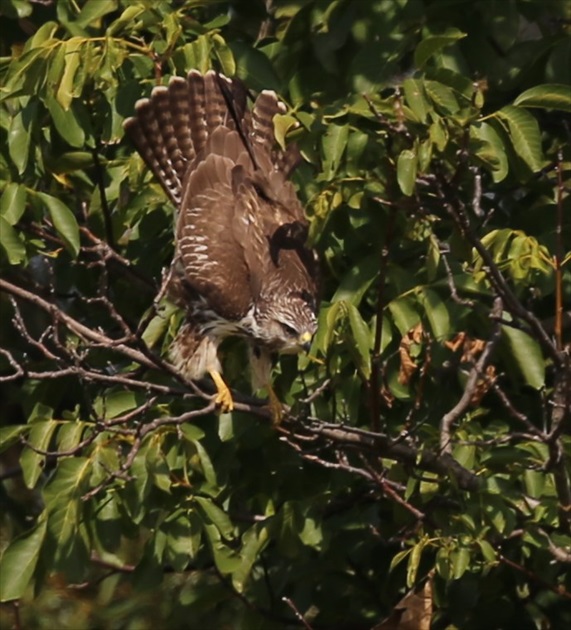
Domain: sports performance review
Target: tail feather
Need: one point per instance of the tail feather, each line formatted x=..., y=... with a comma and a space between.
x=175, y=128
x=180, y=112
x=197, y=107
x=265, y=108
x=216, y=109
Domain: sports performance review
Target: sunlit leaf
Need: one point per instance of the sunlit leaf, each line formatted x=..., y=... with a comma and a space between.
x=64, y=221
x=11, y=243
x=525, y=135
x=13, y=203
x=94, y=10
x=429, y=46
x=416, y=98
x=406, y=171
x=64, y=94
x=546, y=96
x=527, y=356
x=31, y=461
x=442, y=95
x=10, y=435
x=490, y=149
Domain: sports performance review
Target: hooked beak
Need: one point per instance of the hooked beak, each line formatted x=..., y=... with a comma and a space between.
x=305, y=340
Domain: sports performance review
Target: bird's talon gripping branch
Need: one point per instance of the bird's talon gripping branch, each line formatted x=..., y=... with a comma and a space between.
x=223, y=398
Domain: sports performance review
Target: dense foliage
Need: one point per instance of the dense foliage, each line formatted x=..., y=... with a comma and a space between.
x=421, y=472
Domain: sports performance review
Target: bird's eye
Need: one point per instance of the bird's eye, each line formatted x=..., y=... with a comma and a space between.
x=289, y=330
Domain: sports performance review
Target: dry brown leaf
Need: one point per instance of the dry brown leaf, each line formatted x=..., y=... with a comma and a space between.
x=407, y=364
x=387, y=396
x=413, y=612
x=456, y=343
x=416, y=333
x=483, y=385
x=472, y=349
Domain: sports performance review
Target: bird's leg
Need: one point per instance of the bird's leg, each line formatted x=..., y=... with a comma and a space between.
x=275, y=405
x=261, y=364
x=224, y=396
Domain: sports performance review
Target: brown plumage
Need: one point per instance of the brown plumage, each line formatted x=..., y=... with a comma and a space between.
x=241, y=266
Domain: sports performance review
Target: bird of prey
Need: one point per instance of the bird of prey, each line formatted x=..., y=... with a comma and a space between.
x=241, y=264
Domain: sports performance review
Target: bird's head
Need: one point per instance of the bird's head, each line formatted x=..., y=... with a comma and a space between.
x=286, y=324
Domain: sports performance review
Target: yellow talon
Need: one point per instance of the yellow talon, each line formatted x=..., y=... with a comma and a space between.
x=224, y=396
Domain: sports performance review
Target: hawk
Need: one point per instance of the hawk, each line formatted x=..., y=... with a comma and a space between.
x=241, y=266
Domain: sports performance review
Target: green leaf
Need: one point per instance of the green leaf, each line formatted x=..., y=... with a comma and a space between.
x=435, y=43
x=64, y=94
x=19, y=141
x=406, y=171
x=490, y=149
x=442, y=95
x=546, y=96
x=217, y=517
x=66, y=123
x=534, y=483
x=254, y=540
x=116, y=403
x=33, y=463
x=357, y=280
x=179, y=542
x=13, y=203
x=64, y=222
x=19, y=562
x=94, y=10
x=10, y=435
x=159, y=324
x=62, y=496
x=333, y=146
x=362, y=338
x=525, y=135
x=416, y=99
x=398, y=558
x=253, y=67
x=206, y=464
x=414, y=562
x=460, y=562
x=227, y=560
x=70, y=434
x=311, y=534
x=191, y=432
x=436, y=312
x=126, y=18
x=25, y=69
x=282, y=124
x=11, y=243
x=439, y=134
x=526, y=352
x=487, y=551
x=404, y=314
x=224, y=55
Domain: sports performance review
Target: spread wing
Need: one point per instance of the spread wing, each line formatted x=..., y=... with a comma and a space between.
x=239, y=220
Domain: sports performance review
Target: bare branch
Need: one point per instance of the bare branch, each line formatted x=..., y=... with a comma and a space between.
x=475, y=374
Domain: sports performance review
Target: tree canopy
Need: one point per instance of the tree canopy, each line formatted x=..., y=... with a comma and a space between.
x=420, y=475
